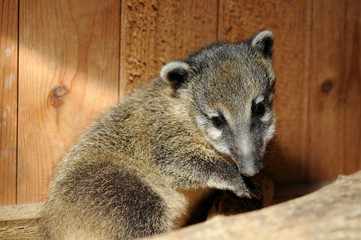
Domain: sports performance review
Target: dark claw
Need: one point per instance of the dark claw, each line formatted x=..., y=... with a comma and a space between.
x=255, y=191
x=247, y=195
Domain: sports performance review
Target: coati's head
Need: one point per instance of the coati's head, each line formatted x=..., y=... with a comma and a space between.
x=231, y=87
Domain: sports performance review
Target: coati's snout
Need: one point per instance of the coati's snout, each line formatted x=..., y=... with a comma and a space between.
x=249, y=164
x=246, y=151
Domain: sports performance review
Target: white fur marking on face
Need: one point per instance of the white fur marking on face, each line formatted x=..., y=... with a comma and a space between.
x=227, y=116
x=270, y=132
x=259, y=99
x=266, y=117
x=246, y=146
x=271, y=97
x=214, y=133
x=222, y=149
x=201, y=121
x=212, y=115
x=261, y=36
x=212, y=136
x=171, y=66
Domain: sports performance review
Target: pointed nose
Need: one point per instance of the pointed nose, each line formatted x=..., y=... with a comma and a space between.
x=249, y=165
x=246, y=155
x=250, y=170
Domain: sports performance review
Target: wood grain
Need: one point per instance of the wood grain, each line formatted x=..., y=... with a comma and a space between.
x=290, y=23
x=21, y=221
x=333, y=212
x=68, y=73
x=22, y=229
x=351, y=90
x=156, y=32
x=20, y=212
x=76, y=58
x=8, y=99
x=335, y=118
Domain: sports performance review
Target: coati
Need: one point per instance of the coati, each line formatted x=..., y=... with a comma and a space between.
x=202, y=124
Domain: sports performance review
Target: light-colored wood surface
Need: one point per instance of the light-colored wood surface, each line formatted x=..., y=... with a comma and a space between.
x=21, y=221
x=22, y=229
x=68, y=73
x=20, y=212
x=333, y=212
x=156, y=32
x=76, y=58
x=8, y=99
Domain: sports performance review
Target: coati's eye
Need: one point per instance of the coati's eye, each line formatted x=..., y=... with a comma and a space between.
x=218, y=122
x=258, y=109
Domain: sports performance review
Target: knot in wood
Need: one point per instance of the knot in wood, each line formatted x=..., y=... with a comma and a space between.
x=60, y=91
x=327, y=86
x=57, y=96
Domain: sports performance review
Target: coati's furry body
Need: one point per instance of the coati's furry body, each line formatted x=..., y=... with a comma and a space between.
x=130, y=174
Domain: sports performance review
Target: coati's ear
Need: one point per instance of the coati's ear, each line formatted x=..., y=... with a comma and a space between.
x=176, y=73
x=263, y=42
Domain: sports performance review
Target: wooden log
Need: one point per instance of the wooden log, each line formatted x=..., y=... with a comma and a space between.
x=333, y=212
x=20, y=221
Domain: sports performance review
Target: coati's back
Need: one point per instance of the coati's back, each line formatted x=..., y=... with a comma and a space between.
x=128, y=175
x=107, y=186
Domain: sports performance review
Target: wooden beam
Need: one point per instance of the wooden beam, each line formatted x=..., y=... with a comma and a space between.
x=156, y=32
x=8, y=99
x=68, y=74
x=20, y=212
x=20, y=221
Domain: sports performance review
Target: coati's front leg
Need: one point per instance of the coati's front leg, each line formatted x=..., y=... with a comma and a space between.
x=226, y=176
x=192, y=165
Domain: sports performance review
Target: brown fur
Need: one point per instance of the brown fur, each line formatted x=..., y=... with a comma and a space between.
x=131, y=174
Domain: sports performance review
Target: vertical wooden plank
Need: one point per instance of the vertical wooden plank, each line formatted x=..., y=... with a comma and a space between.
x=326, y=84
x=8, y=99
x=290, y=23
x=351, y=90
x=68, y=73
x=155, y=32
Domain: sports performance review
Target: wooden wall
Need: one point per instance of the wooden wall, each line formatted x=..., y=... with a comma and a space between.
x=62, y=63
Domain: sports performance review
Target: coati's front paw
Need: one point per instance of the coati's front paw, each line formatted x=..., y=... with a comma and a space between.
x=242, y=192
x=246, y=188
